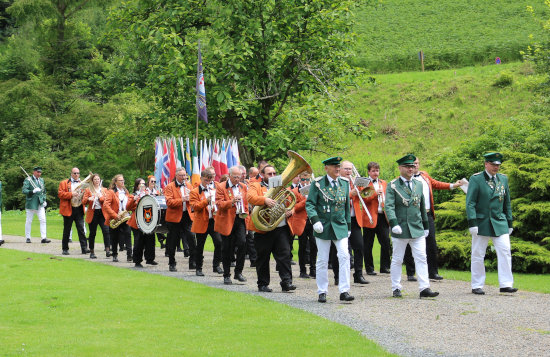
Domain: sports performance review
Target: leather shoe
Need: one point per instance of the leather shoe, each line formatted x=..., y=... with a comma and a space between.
x=359, y=279
x=411, y=278
x=115, y=259
x=138, y=265
x=264, y=289
x=288, y=286
x=397, y=293
x=92, y=256
x=218, y=270
x=312, y=272
x=151, y=262
x=28, y=240
x=240, y=278
x=1, y=242
x=46, y=240
x=428, y=293
x=129, y=259
x=478, y=291
x=227, y=281
x=508, y=290
x=172, y=268
x=65, y=252
x=436, y=277
x=108, y=254
x=199, y=272
x=385, y=271
x=372, y=272
x=304, y=275
x=322, y=297
x=346, y=297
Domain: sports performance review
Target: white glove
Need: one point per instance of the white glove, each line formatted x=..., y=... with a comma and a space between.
x=473, y=230
x=426, y=232
x=349, y=234
x=44, y=204
x=318, y=227
x=510, y=230
x=37, y=189
x=397, y=230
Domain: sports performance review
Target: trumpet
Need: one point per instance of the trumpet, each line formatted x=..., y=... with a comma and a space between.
x=355, y=175
x=212, y=202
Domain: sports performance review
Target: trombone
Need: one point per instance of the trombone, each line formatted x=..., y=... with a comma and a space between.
x=356, y=175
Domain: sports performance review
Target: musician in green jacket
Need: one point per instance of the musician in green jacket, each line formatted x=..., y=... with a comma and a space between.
x=35, y=193
x=328, y=209
x=406, y=212
x=489, y=215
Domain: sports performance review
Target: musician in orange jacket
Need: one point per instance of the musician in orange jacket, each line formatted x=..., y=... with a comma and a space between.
x=230, y=223
x=301, y=226
x=379, y=226
x=117, y=201
x=202, y=200
x=274, y=242
x=94, y=197
x=72, y=214
x=178, y=218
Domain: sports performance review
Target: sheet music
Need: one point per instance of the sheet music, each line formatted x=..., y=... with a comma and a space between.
x=464, y=186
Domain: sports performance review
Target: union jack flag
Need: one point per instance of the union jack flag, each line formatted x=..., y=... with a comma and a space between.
x=165, y=180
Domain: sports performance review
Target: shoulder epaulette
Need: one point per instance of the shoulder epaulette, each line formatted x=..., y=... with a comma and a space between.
x=477, y=173
x=395, y=179
x=344, y=178
x=498, y=173
x=319, y=178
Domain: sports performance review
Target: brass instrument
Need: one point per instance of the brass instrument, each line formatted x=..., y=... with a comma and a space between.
x=115, y=222
x=266, y=218
x=212, y=202
x=29, y=178
x=362, y=193
x=76, y=200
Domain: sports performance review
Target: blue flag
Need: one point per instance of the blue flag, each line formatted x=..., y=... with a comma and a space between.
x=201, y=92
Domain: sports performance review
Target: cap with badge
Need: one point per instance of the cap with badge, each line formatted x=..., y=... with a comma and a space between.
x=333, y=160
x=37, y=168
x=493, y=157
x=407, y=160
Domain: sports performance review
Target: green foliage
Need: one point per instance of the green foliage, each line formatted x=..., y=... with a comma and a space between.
x=391, y=33
x=504, y=79
x=452, y=214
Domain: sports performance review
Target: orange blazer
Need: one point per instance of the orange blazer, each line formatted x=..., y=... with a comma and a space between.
x=112, y=204
x=372, y=206
x=65, y=194
x=433, y=185
x=297, y=222
x=199, y=206
x=131, y=206
x=174, y=202
x=90, y=203
x=256, y=178
x=225, y=218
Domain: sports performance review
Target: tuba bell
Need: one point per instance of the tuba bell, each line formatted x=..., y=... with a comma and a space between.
x=79, y=189
x=266, y=218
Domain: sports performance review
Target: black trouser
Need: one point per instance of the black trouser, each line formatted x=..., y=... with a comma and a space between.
x=431, y=251
x=77, y=216
x=250, y=249
x=143, y=242
x=121, y=234
x=275, y=242
x=382, y=231
x=235, y=240
x=356, y=243
x=179, y=231
x=303, y=240
x=98, y=220
x=201, y=239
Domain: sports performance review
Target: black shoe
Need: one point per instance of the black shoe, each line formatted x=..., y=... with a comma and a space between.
x=264, y=289
x=411, y=278
x=1, y=242
x=108, y=254
x=218, y=270
x=397, y=293
x=336, y=281
x=185, y=252
x=172, y=268
x=138, y=265
x=46, y=240
x=359, y=279
x=288, y=286
x=478, y=291
x=162, y=246
x=115, y=259
x=346, y=297
x=436, y=277
x=85, y=251
x=312, y=272
x=199, y=272
x=65, y=252
x=28, y=240
x=70, y=240
x=322, y=297
x=253, y=264
x=227, y=281
x=508, y=290
x=292, y=262
x=372, y=272
x=385, y=271
x=304, y=275
x=240, y=277
x=151, y=262
x=92, y=256
x=428, y=293
x=129, y=259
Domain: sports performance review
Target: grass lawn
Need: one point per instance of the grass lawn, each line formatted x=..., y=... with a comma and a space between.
x=54, y=306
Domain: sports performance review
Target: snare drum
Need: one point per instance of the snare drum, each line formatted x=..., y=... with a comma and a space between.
x=151, y=214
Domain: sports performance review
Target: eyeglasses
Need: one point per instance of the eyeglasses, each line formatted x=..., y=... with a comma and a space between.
x=153, y=181
x=76, y=173
x=120, y=180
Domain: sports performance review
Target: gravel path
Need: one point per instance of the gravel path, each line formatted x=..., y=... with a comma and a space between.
x=457, y=323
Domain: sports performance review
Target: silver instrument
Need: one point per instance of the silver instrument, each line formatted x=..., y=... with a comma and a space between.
x=29, y=178
x=212, y=203
x=76, y=200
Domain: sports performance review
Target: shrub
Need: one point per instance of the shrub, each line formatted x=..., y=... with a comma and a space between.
x=505, y=79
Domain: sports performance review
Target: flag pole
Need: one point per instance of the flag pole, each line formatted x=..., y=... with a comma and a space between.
x=198, y=72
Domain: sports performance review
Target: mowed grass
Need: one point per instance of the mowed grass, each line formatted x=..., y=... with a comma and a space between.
x=54, y=306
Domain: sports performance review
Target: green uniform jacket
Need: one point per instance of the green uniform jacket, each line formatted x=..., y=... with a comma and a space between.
x=489, y=208
x=34, y=200
x=330, y=207
x=406, y=208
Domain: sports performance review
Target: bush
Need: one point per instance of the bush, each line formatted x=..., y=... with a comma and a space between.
x=505, y=79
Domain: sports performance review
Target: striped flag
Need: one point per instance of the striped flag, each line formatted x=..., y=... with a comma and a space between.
x=196, y=177
x=235, y=153
x=172, y=160
x=158, y=160
x=179, y=153
x=201, y=91
x=165, y=176
x=223, y=159
x=230, y=162
x=188, y=159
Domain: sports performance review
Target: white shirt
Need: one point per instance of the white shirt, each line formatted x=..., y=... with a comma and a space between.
x=376, y=185
x=96, y=204
x=183, y=189
x=206, y=195
x=425, y=191
x=123, y=200
x=488, y=174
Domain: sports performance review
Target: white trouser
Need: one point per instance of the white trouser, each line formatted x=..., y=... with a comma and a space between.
x=504, y=259
x=418, y=247
x=41, y=213
x=323, y=252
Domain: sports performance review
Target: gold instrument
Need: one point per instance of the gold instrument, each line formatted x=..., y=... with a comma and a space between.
x=76, y=200
x=268, y=218
x=363, y=194
x=115, y=222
